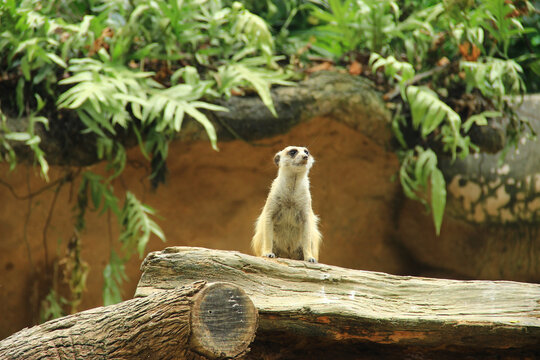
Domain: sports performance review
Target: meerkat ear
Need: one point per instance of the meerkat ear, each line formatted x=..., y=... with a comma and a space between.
x=276, y=159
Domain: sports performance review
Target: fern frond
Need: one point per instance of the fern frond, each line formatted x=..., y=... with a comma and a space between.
x=418, y=172
x=494, y=77
x=428, y=111
x=114, y=275
x=241, y=74
x=254, y=31
x=137, y=225
x=401, y=71
x=101, y=93
x=167, y=108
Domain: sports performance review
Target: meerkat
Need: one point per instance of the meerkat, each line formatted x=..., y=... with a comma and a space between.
x=287, y=226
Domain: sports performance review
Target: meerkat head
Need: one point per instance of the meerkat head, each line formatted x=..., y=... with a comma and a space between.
x=294, y=158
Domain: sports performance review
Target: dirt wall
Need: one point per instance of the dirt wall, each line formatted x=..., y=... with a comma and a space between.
x=211, y=199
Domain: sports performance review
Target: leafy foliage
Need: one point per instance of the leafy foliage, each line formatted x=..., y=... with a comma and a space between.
x=495, y=78
x=137, y=225
x=141, y=66
x=114, y=275
x=52, y=306
x=235, y=75
x=431, y=117
x=418, y=173
x=350, y=24
x=28, y=138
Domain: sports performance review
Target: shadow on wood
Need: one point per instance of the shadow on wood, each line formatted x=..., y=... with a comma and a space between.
x=318, y=304
x=196, y=321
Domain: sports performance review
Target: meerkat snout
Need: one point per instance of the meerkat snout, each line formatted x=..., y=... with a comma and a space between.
x=287, y=226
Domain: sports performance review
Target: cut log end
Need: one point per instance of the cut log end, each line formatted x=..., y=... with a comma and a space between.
x=223, y=321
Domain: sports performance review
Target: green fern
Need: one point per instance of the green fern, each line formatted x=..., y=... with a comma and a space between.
x=401, y=71
x=495, y=78
x=167, y=108
x=52, y=306
x=247, y=72
x=29, y=138
x=102, y=91
x=101, y=193
x=8, y=154
x=114, y=274
x=254, y=31
x=137, y=225
x=418, y=172
x=428, y=113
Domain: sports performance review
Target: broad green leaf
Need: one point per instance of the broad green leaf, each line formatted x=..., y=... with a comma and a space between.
x=19, y=95
x=17, y=136
x=398, y=134
x=77, y=78
x=438, y=197
x=57, y=60
x=425, y=163
x=34, y=140
x=25, y=68
x=261, y=86
x=96, y=193
x=203, y=120
x=178, y=118
x=479, y=119
x=433, y=118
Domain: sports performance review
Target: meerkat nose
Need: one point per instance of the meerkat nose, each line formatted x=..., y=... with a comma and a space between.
x=305, y=157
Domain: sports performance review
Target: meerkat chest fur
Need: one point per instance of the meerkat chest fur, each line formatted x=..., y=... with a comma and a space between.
x=287, y=226
x=290, y=201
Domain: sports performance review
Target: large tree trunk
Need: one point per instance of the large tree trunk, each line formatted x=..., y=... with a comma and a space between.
x=197, y=321
x=315, y=301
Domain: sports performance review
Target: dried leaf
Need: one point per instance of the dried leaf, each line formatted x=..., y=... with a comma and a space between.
x=471, y=55
x=100, y=42
x=355, y=68
x=443, y=61
x=320, y=67
x=237, y=92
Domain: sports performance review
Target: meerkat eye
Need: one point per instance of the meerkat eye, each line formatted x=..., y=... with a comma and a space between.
x=307, y=152
x=293, y=152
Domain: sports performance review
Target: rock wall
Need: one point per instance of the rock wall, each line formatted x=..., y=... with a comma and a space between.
x=491, y=224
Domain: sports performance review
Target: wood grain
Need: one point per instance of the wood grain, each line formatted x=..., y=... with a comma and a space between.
x=337, y=304
x=155, y=327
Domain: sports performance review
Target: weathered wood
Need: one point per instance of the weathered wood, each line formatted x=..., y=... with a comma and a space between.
x=177, y=324
x=334, y=304
x=223, y=321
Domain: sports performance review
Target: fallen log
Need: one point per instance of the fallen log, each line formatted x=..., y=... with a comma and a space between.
x=196, y=321
x=328, y=303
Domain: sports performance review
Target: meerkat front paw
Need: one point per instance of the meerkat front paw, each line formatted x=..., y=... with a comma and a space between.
x=270, y=255
x=312, y=260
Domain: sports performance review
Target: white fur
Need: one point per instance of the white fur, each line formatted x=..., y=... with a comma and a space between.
x=287, y=226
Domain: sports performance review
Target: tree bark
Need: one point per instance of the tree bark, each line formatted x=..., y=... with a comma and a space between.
x=328, y=303
x=196, y=321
